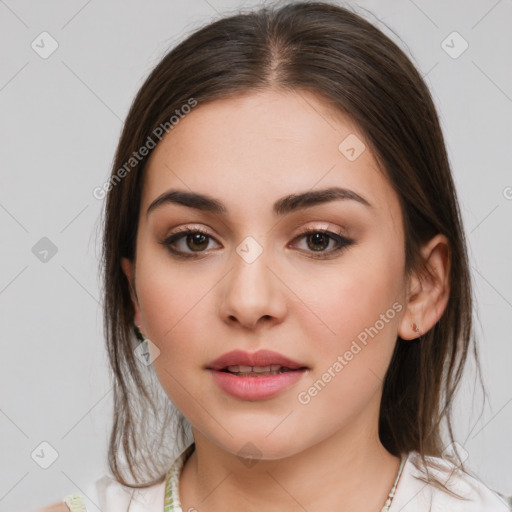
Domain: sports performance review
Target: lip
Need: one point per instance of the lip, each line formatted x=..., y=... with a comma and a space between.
x=259, y=358
x=255, y=387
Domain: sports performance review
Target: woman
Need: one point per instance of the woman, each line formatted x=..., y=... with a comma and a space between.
x=282, y=235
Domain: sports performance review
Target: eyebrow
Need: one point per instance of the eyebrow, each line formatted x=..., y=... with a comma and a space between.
x=286, y=204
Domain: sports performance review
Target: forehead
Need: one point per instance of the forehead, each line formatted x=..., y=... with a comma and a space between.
x=254, y=148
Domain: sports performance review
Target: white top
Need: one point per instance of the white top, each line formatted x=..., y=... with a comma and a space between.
x=412, y=495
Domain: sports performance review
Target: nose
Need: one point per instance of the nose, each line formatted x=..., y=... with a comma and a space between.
x=253, y=293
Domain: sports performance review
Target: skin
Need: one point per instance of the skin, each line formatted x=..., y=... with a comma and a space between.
x=248, y=151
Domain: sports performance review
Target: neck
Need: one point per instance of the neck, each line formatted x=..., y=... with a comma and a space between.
x=340, y=473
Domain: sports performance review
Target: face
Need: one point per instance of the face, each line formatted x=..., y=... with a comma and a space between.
x=248, y=278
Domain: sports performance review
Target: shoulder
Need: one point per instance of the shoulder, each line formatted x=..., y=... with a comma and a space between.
x=108, y=494
x=417, y=493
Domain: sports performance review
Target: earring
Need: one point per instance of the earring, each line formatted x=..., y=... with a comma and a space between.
x=139, y=335
x=415, y=328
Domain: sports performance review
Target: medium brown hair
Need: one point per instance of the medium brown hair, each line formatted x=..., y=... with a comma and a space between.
x=360, y=72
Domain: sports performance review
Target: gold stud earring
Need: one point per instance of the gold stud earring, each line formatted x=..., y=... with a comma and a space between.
x=415, y=328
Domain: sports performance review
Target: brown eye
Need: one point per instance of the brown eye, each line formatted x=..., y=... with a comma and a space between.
x=191, y=243
x=191, y=240
x=318, y=240
x=197, y=238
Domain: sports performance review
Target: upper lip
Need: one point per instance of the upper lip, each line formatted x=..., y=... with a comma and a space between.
x=259, y=358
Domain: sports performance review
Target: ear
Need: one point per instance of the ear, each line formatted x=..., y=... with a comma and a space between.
x=427, y=294
x=128, y=267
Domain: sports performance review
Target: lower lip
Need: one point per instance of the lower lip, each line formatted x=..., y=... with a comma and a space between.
x=255, y=388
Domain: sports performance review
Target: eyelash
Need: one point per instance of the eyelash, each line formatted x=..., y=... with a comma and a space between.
x=342, y=241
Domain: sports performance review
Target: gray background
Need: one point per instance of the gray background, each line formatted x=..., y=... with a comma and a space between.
x=61, y=119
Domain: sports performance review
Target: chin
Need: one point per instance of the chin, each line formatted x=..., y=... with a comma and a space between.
x=257, y=444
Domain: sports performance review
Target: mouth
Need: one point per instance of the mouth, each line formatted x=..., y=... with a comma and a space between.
x=258, y=371
x=262, y=361
x=255, y=376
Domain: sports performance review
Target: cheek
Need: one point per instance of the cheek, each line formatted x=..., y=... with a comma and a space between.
x=170, y=304
x=359, y=314
x=169, y=293
x=174, y=314
x=355, y=300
